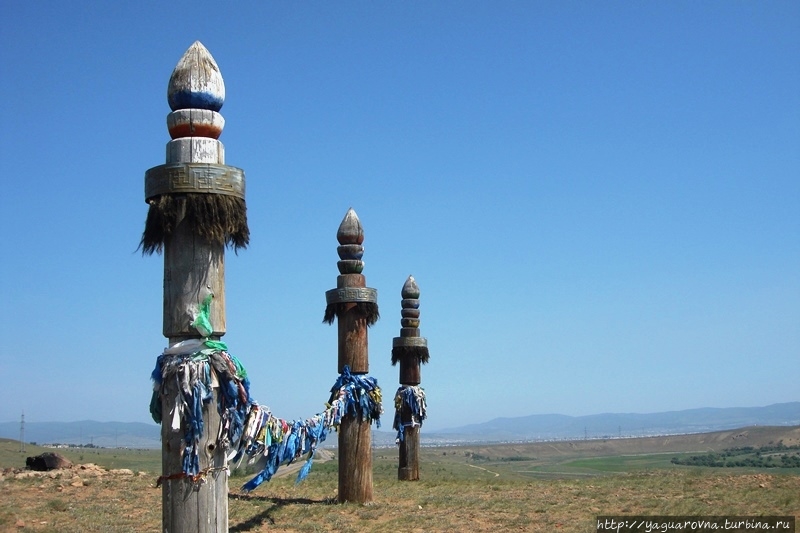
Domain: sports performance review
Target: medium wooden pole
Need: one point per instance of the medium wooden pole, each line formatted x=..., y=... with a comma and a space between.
x=356, y=307
x=195, y=203
x=410, y=350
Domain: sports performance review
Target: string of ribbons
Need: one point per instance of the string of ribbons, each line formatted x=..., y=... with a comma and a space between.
x=279, y=442
x=410, y=409
x=246, y=428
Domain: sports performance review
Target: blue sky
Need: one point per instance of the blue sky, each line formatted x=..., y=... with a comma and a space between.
x=599, y=200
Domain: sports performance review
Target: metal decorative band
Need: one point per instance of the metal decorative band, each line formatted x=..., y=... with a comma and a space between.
x=206, y=178
x=409, y=341
x=351, y=294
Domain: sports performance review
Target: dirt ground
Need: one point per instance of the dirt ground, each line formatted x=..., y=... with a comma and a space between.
x=90, y=499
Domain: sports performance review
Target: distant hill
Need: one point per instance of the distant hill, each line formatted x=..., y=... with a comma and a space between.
x=548, y=427
x=755, y=436
x=526, y=428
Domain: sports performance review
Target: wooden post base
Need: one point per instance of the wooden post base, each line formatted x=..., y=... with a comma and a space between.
x=188, y=506
x=355, y=461
x=409, y=455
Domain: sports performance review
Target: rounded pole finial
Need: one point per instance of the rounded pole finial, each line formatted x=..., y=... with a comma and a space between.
x=410, y=288
x=196, y=82
x=350, y=236
x=350, y=230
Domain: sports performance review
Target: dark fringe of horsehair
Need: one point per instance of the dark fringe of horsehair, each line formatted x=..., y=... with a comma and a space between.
x=368, y=309
x=401, y=352
x=218, y=218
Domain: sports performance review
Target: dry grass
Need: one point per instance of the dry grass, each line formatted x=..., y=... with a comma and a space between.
x=520, y=487
x=446, y=499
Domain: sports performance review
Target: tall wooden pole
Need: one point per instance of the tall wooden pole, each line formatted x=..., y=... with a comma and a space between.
x=356, y=307
x=410, y=350
x=196, y=207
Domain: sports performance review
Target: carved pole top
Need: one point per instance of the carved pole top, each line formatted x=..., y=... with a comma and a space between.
x=350, y=236
x=196, y=82
x=409, y=342
x=410, y=311
x=195, y=176
x=350, y=284
x=195, y=94
x=350, y=230
x=410, y=288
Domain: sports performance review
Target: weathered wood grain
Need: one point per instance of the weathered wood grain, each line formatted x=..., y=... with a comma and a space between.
x=188, y=506
x=355, y=461
x=193, y=268
x=353, y=341
x=408, y=468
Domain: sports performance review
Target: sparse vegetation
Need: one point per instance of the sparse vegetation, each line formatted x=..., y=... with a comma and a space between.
x=514, y=487
x=770, y=456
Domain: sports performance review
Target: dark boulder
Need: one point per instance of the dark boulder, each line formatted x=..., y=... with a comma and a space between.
x=47, y=461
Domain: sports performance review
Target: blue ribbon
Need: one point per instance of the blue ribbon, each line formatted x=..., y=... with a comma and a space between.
x=356, y=395
x=412, y=398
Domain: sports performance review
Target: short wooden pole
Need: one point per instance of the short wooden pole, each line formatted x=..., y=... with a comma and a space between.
x=410, y=350
x=179, y=192
x=355, y=307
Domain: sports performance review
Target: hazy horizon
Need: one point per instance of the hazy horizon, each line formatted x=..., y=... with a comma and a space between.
x=426, y=426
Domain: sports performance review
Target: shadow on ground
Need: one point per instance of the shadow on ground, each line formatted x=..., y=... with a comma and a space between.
x=265, y=516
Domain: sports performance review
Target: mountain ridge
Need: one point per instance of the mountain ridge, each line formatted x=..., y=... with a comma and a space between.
x=501, y=429
x=697, y=420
